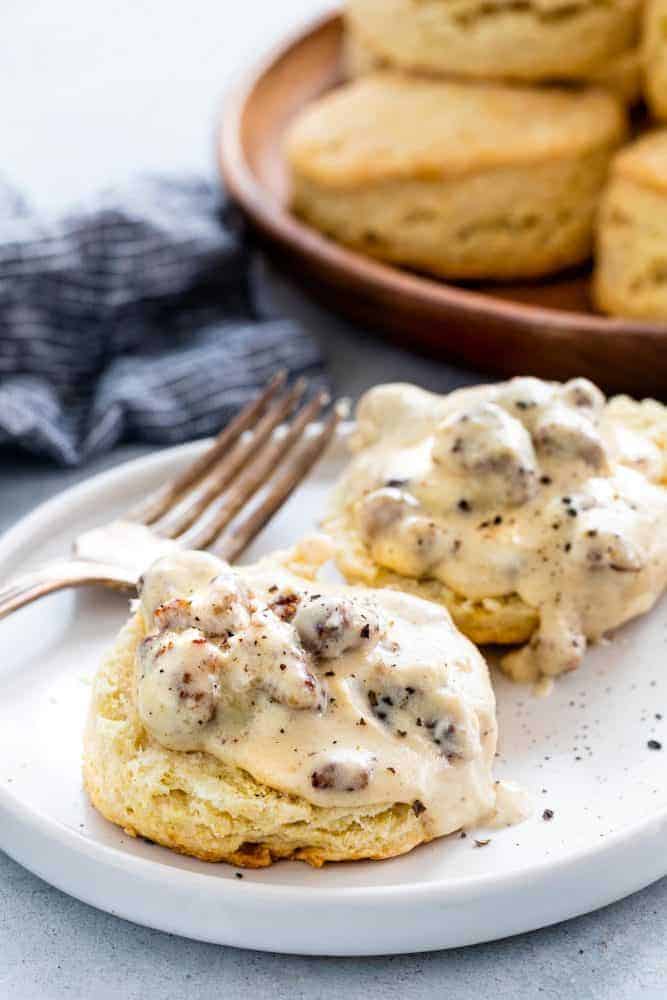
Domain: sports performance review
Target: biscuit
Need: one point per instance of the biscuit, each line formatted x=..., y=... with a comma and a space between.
x=512, y=505
x=196, y=805
x=621, y=74
x=536, y=41
x=203, y=803
x=631, y=262
x=460, y=180
x=503, y=621
x=655, y=56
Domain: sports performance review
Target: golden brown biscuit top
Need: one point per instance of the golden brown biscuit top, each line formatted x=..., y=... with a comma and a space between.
x=454, y=7
x=645, y=161
x=387, y=127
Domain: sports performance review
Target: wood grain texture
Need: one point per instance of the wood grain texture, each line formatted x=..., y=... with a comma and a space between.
x=545, y=328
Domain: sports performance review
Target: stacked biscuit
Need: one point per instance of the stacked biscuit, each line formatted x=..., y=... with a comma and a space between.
x=536, y=41
x=475, y=139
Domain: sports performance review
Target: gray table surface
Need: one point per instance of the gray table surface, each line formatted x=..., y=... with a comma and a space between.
x=85, y=81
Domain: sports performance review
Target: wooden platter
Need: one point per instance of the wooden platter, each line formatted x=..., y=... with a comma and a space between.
x=545, y=328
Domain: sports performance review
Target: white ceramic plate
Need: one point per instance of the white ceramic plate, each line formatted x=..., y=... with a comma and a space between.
x=581, y=752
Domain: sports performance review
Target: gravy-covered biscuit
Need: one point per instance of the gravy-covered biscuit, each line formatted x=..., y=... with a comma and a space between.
x=255, y=715
x=462, y=180
x=535, y=511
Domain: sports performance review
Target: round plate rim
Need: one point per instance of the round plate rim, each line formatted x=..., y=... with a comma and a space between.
x=361, y=271
x=641, y=834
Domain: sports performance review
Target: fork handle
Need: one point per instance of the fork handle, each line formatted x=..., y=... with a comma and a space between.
x=60, y=575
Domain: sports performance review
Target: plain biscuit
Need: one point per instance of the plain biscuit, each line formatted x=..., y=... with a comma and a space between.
x=535, y=41
x=631, y=263
x=461, y=180
x=620, y=74
x=655, y=56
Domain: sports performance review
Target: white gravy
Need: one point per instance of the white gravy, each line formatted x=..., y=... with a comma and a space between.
x=344, y=696
x=524, y=488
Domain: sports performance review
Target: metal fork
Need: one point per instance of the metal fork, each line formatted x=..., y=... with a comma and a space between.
x=260, y=448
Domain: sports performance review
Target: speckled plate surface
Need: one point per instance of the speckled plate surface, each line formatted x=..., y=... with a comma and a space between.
x=582, y=753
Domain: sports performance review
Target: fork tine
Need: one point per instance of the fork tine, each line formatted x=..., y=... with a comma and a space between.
x=232, y=544
x=219, y=513
x=194, y=502
x=156, y=504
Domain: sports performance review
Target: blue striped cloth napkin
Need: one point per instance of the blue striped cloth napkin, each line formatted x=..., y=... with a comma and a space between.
x=134, y=318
